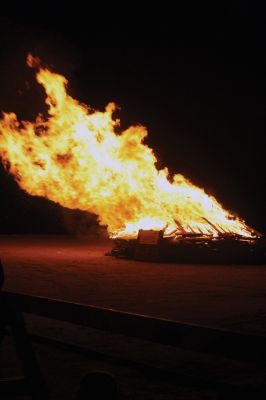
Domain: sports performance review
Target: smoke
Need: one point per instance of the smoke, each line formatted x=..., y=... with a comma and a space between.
x=82, y=225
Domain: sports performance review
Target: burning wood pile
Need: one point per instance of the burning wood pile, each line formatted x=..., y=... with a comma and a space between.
x=192, y=247
x=77, y=157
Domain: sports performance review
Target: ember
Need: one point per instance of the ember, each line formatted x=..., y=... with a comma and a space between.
x=77, y=159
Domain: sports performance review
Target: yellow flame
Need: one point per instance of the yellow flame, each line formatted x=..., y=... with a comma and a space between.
x=75, y=158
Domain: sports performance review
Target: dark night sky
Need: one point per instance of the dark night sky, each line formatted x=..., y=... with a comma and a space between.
x=195, y=77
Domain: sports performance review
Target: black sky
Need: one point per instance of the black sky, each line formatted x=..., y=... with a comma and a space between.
x=195, y=77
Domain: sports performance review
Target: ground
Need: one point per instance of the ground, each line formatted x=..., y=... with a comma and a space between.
x=231, y=296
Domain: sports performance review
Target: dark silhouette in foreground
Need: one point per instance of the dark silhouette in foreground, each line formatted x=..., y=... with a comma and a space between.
x=12, y=321
x=98, y=385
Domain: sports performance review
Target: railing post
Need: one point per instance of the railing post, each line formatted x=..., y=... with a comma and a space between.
x=32, y=383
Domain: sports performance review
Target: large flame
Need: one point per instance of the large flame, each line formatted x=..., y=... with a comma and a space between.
x=76, y=158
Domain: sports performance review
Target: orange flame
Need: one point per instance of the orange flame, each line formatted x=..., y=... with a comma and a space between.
x=75, y=158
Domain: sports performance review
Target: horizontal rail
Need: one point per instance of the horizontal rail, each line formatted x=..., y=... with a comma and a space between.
x=193, y=337
x=168, y=374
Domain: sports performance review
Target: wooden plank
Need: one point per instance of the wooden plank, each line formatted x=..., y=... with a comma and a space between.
x=182, y=230
x=212, y=225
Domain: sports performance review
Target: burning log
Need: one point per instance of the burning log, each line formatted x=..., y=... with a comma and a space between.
x=182, y=230
x=221, y=228
x=212, y=225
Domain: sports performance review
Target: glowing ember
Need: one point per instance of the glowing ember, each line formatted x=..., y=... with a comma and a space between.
x=75, y=158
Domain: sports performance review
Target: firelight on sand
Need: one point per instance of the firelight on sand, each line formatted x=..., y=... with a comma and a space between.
x=77, y=158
